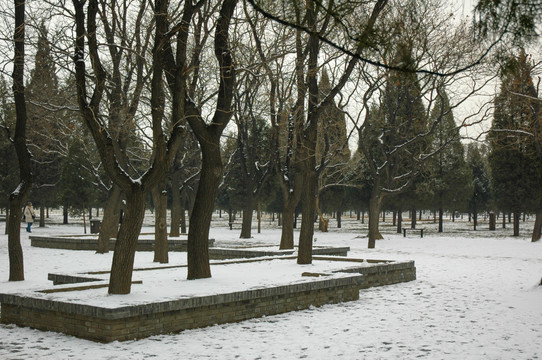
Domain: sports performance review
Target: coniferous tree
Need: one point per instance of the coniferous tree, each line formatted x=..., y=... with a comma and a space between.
x=515, y=172
x=387, y=138
x=477, y=161
x=45, y=132
x=449, y=175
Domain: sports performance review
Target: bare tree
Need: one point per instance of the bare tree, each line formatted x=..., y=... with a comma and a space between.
x=18, y=196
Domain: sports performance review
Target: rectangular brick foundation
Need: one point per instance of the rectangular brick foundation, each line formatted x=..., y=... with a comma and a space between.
x=133, y=322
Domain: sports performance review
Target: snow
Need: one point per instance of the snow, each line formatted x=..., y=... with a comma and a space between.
x=476, y=297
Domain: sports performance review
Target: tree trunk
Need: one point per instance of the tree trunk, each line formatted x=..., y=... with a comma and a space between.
x=503, y=220
x=440, y=219
x=18, y=197
x=537, y=231
x=84, y=220
x=394, y=218
x=413, y=219
x=399, y=220
x=7, y=221
x=287, y=232
x=183, y=218
x=175, y=204
x=279, y=219
x=339, y=218
x=308, y=213
x=42, y=216
x=110, y=221
x=15, y=250
x=475, y=219
x=161, y=248
x=200, y=218
x=246, y=226
x=259, y=216
x=363, y=216
x=517, y=216
x=492, y=221
x=65, y=215
x=375, y=204
x=122, y=267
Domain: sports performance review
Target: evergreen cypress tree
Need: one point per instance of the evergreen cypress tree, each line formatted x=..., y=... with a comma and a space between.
x=44, y=129
x=450, y=176
x=515, y=172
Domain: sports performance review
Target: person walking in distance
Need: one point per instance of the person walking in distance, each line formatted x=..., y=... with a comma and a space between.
x=29, y=216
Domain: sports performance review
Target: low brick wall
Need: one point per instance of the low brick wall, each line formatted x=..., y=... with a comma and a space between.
x=385, y=273
x=87, y=243
x=237, y=253
x=133, y=322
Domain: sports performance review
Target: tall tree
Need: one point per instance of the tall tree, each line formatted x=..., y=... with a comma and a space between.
x=114, y=159
x=391, y=136
x=477, y=161
x=45, y=135
x=19, y=195
x=515, y=171
x=449, y=176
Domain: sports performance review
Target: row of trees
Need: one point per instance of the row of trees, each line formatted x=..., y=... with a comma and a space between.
x=127, y=100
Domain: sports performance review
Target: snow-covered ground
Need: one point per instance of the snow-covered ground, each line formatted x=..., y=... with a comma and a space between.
x=476, y=297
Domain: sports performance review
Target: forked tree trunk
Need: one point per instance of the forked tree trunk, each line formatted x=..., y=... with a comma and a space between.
x=110, y=221
x=537, y=231
x=122, y=267
x=159, y=196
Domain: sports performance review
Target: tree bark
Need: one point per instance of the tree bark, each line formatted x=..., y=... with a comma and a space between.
x=18, y=197
x=475, y=219
x=399, y=220
x=246, y=226
x=161, y=248
x=287, y=232
x=375, y=203
x=65, y=215
x=308, y=212
x=200, y=218
x=259, y=217
x=413, y=219
x=110, y=221
x=175, y=204
x=440, y=219
x=517, y=216
x=120, y=281
x=42, y=216
x=492, y=221
x=537, y=231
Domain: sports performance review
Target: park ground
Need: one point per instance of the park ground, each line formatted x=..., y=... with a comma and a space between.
x=477, y=296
